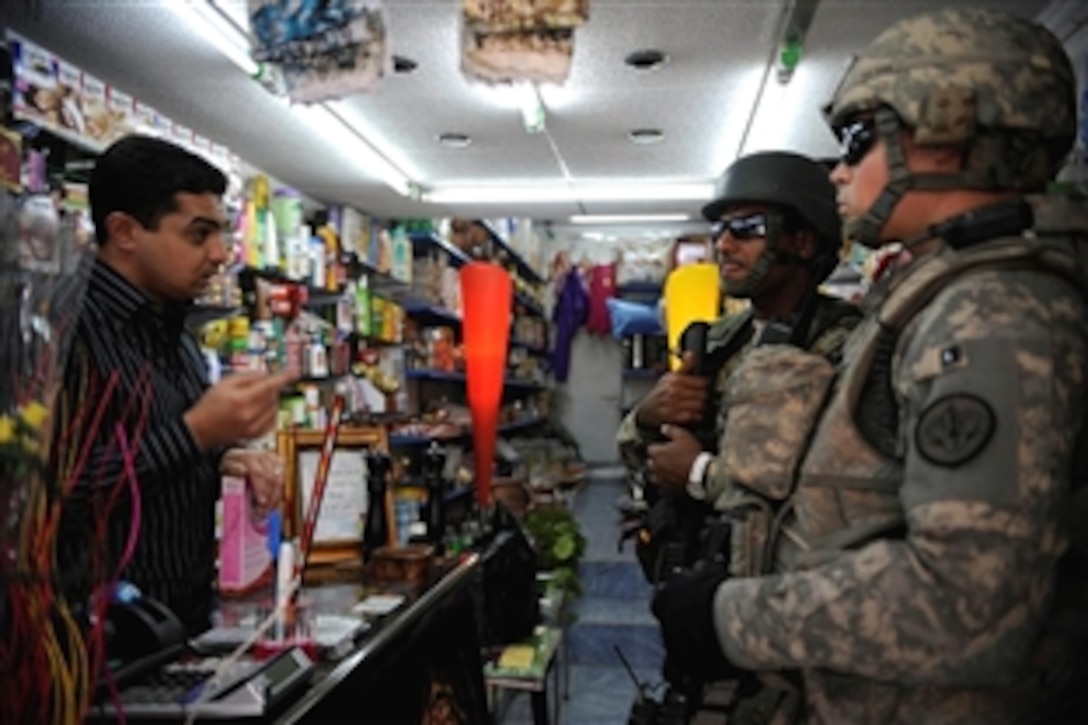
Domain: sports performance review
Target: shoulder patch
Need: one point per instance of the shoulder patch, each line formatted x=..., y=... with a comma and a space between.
x=954, y=429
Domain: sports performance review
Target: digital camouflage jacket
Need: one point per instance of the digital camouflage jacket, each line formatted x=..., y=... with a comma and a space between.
x=928, y=575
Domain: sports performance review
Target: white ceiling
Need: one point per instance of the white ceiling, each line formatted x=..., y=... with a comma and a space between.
x=703, y=98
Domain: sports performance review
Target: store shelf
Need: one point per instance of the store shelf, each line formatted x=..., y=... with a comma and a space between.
x=456, y=377
x=530, y=348
x=318, y=297
x=315, y=296
x=421, y=241
x=458, y=493
x=409, y=441
x=374, y=341
x=200, y=314
x=401, y=440
x=639, y=289
x=531, y=306
x=32, y=129
x=523, y=266
x=429, y=312
x=421, y=308
x=435, y=375
x=524, y=384
x=380, y=283
x=294, y=388
x=521, y=425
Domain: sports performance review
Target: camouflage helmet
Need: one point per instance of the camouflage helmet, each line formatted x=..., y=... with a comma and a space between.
x=1001, y=85
x=784, y=179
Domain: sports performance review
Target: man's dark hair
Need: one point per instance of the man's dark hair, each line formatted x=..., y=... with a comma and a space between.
x=140, y=176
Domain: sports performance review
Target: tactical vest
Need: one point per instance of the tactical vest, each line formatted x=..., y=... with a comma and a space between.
x=787, y=406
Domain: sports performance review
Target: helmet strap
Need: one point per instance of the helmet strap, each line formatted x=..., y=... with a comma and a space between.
x=866, y=230
x=743, y=288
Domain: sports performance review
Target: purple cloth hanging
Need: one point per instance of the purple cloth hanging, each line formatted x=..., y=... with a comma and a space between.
x=570, y=312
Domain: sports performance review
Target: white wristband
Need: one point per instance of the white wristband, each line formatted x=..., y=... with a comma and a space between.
x=697, y=473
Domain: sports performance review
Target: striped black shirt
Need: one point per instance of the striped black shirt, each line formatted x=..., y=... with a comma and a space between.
x=157, y=372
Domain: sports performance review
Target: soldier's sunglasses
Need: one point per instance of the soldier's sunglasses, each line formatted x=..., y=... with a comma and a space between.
x=743, y=228
x=856, y=139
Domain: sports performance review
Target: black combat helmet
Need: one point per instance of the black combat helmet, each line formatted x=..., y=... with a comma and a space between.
x=784, y=179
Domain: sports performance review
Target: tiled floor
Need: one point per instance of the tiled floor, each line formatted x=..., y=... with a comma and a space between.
x=613, y=612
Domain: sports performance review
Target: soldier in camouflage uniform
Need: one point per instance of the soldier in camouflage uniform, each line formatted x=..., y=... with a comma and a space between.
x=779, y=237
x=925, y=567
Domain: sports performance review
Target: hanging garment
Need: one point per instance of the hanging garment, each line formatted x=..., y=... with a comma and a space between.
x=571, y=307
x=602, y=286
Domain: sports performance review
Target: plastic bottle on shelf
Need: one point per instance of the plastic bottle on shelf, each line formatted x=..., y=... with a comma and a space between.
x=363, y=321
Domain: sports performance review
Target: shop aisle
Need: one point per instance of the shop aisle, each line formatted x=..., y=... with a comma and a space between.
x=613, y=611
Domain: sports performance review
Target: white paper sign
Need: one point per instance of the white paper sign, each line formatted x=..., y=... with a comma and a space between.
x=344, y=504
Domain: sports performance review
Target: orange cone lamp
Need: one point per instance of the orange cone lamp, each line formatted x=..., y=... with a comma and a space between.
x=486, y=299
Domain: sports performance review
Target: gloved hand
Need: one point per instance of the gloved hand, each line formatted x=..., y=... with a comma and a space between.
x=684, y=607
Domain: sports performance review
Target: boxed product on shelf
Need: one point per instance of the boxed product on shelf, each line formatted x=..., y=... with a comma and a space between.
x=401, y=263
x=380, y=254
x=363, y=313
x=354, y=231
x=427, y=275
x=441, y=349
x=451, y=290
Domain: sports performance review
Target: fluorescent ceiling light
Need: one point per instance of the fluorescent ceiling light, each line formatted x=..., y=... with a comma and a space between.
x=627, y=218
x=236, y=11
x=332, y=126
x=227, y=37
x=621, y=191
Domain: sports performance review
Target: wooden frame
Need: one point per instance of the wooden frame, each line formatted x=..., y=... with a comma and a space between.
x=293, y=446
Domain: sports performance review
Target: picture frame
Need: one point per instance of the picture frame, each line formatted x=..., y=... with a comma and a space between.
x=338, y=533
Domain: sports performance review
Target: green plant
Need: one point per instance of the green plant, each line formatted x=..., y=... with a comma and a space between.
x=560, y=545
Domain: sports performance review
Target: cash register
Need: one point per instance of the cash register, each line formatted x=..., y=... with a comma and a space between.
x=153, y=672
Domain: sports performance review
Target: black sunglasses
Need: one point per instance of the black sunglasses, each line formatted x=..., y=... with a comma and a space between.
x=856, y=139
x=743, y=228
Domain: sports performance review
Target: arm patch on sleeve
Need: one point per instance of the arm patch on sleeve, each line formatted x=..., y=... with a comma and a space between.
x=954, y=429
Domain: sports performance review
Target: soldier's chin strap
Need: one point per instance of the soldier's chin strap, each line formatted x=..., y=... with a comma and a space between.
x=771, y=255
x=795, y=329
x=866, y=230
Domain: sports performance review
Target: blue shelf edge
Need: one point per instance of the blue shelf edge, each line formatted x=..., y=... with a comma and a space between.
x=406, y=441
x=639, y=288
x=442, y=375
x=431, y=238
x=530, y=348
x=529, y=304
x=523, y=266
x=419, y=308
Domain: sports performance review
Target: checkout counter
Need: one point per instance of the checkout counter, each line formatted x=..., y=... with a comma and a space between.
x=420, y=662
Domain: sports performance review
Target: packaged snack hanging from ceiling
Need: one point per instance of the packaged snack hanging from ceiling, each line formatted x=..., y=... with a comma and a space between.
x=326, y=49
x=511, y=15
x=511, y=41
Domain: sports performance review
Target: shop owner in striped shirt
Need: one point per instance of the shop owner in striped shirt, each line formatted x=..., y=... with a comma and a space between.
x=162, y=234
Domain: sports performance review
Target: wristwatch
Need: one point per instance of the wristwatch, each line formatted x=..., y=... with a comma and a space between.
x=696, y=487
